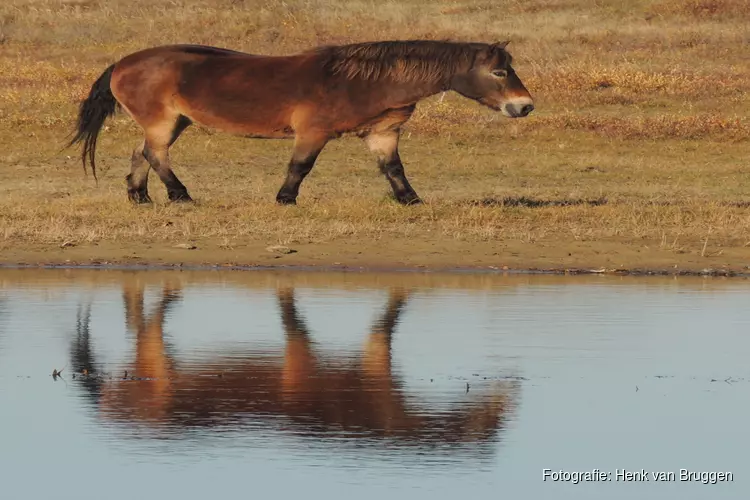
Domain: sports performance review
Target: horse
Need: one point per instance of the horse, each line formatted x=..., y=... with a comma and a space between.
x=319, y=394
x=368, y=89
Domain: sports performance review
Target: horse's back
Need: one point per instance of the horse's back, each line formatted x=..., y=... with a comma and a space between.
x=207, y=62
x=207, y=50
x=187, y=49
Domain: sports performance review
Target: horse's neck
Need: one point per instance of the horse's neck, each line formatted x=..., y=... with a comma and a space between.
x=405, y=93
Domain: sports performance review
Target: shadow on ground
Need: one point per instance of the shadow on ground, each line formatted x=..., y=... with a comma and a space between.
x=523, y=201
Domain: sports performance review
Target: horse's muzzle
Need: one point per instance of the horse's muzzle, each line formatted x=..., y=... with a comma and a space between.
x=518, y=108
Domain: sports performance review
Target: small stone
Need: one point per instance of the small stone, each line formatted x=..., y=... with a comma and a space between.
x=66, y=244
x=280, y=249
x=186, y=246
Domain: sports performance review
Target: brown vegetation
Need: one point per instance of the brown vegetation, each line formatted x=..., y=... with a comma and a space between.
x=643, y=105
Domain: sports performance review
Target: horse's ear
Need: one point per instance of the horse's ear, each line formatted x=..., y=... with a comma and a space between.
x=501, y=45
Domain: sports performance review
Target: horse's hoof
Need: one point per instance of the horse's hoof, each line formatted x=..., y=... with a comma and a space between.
x=139, y=197
x=283, y=200
x=180, y=198
x=410, y=200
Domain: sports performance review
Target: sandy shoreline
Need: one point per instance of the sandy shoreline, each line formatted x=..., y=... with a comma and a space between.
x=392, y=256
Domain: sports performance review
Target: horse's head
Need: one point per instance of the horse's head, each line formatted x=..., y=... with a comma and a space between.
x=492, y=81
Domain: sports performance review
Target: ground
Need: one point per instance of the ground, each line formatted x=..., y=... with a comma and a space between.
x=636, y=157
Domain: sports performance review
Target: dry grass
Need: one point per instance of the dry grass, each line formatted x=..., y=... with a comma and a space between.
x=641, y=104
x=704, y=9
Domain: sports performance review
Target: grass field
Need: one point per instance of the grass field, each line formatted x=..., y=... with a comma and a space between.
x=637, y=155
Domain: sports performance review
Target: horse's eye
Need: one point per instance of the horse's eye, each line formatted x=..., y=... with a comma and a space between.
x=500, y=73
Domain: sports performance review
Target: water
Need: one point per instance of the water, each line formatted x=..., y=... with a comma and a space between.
x=196, y=384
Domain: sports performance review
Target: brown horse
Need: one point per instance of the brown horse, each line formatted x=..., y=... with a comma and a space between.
x=319, y=395
x=368, y=89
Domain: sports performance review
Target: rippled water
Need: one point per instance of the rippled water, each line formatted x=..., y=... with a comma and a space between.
x=196, y=384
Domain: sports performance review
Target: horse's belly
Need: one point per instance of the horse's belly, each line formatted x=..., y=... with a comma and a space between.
x=237, y=110
x=244, y=122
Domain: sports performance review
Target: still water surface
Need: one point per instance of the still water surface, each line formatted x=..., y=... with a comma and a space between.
x=306, y=385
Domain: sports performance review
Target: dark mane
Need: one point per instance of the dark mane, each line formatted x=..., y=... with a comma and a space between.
x=409, y=60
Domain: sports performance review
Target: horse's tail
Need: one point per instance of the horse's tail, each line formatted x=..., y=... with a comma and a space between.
x=93, y=111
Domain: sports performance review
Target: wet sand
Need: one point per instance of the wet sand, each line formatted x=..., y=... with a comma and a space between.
x=393, y=254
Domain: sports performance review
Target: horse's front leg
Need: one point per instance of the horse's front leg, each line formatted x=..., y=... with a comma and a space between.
x=385, y=145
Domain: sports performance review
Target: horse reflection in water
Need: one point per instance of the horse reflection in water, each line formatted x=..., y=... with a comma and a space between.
x=299, y=391
x=3, y=319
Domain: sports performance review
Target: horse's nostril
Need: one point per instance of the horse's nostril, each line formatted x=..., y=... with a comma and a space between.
x=527, y=109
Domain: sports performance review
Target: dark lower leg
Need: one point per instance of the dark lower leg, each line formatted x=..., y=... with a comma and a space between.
x=137, y=194
x=402, y=190
x=307, y=147
x=385, y=144
x=137, y=179
x=176, y=190
x=296, y=173
x=159, y=161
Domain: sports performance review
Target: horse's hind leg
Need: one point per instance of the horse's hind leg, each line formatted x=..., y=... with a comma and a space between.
x=137, y=179
x=156, y=151
x=158, y=157
x=306, y=151
x=385, y=145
